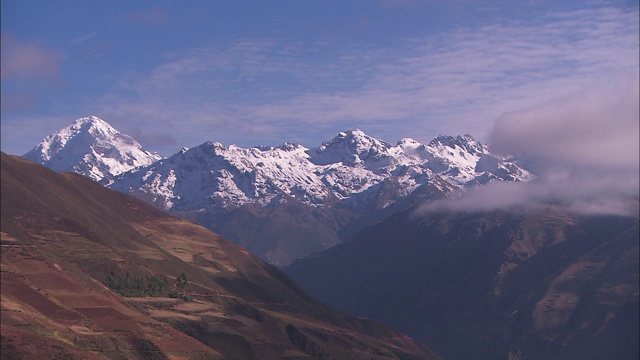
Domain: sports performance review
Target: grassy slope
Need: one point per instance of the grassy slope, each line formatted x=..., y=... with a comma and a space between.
x=63, y=235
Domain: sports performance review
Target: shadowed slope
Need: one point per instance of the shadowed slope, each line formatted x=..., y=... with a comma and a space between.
x=540, y=285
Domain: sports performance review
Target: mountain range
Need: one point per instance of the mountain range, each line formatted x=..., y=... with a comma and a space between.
x=91, y=273
x=321, y=196
x=346, y=220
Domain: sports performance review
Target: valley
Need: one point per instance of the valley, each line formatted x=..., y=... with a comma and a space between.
x=330, y=180
x=359, y=223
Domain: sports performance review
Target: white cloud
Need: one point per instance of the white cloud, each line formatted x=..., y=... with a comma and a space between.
x=596, y=127
x=577, y=192
x=454, y=82
x=584, y=148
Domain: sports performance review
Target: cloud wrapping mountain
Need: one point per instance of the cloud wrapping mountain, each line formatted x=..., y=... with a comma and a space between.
x=583, y=148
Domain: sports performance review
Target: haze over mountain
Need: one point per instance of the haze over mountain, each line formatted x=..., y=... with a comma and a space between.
x=583, y=149
x=546, y=269
x=519, y=246
x=88, y=272
x=289, y=201
x=539, y=284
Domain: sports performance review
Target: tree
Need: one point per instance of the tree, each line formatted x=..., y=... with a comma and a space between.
x=182, y=285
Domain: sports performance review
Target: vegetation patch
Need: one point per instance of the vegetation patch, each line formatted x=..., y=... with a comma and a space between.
x=147, y=349
x=157, y=285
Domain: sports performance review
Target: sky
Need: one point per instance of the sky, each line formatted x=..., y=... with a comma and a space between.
x=518, y=75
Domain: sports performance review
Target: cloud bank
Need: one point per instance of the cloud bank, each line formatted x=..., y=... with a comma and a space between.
x=595, y=128
x=584, y=149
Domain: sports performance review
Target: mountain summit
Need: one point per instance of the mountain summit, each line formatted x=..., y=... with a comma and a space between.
x=352, y=148
x=91, y=147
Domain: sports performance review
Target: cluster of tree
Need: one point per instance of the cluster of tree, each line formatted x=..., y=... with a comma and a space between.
x=148, y=285
x=182, y=287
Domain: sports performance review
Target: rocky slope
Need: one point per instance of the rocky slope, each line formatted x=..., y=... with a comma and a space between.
x=88, y=272
x=544, y=284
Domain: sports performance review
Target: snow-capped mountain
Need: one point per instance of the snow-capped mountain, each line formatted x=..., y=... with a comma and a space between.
x=91, y=147
x=212, y=176
x=279, y=202
x=355, y=178
x=461, y=160
x=355, y=149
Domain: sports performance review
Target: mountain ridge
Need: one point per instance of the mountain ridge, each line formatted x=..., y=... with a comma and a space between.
x=356, y=178
x=540, y=284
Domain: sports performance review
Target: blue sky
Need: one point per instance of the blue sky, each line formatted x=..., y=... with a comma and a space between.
x=179, y=73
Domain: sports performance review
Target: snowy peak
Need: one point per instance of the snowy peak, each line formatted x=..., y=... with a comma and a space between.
x=212, y=175
x=91, y=147
x=96, y=127
x=287, y=146
x=461, y=160
x=465, y=142
x=352, y=148
x=409, y=143
x=82, y=127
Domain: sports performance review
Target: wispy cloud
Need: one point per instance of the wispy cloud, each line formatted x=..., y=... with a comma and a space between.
x=459, y=81
x=28, y=71
x=25, y=61
x=83, y=38
x=601, y=196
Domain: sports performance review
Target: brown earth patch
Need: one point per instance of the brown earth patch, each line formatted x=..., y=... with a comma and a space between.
x=18, y=344
x=108, y=318
x=39, y=302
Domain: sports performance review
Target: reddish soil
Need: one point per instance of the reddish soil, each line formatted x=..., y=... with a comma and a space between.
x=41, y=303
x=18, y=344
x=108, y=318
